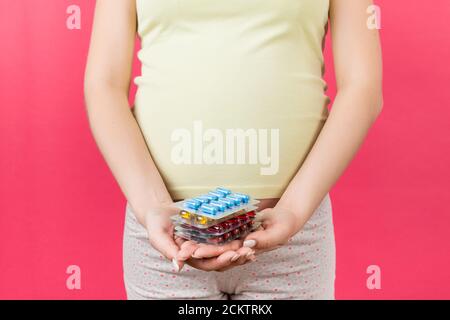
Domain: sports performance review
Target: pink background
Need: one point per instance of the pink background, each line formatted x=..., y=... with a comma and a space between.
x=59, y=204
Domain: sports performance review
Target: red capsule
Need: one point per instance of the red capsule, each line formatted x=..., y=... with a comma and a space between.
x=251, y=214
x=215, y=229
x=234, y=222
x=216, y=240
x=227, y=225
x=243, y=218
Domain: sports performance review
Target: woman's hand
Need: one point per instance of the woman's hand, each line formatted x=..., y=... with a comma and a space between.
x=205, y=257
x=278, y=225
x=214, y=257
x=161, y=231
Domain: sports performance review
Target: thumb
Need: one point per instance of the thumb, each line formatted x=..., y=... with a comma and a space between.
x=263, y=239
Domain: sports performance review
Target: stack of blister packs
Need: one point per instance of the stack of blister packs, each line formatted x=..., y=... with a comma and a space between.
x=216, y=217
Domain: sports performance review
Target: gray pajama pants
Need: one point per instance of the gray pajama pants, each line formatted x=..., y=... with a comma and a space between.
x=302, y=269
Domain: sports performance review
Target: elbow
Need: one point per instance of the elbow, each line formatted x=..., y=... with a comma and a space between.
x=88, y=91
x=97, y=88
x=91, y=88
x=377, y=104
x=370, y=95
x=367, y=90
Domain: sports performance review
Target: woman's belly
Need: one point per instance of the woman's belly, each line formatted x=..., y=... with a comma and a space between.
x=241, y=118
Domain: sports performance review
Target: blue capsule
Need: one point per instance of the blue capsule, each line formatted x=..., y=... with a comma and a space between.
x=210, y=197
x=213, y=196
x=245, y=198
x=216, y=194
x=204, y=199
x=228, y=202
x=191, y=204
x=201, y=200
x=220, y=206
x=208, y=209
x=236, y=201
x=223, y=191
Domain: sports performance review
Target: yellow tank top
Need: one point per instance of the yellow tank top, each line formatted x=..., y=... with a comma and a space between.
x=231, y=92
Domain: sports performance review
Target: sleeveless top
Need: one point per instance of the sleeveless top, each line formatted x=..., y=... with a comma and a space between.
x=231, y=92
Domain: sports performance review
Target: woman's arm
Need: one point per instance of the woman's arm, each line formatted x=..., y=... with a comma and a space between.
x=115, y=130
x=107, y=80
x=358, y=67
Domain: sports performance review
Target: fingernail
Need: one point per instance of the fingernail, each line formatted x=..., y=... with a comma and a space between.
x=252, y=258
x=249, y=243
x=175, y=265
x=249, y=254
x=235, y=257
x=193, y=254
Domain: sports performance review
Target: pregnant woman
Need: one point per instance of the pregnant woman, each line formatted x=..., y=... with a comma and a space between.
x=231, y=94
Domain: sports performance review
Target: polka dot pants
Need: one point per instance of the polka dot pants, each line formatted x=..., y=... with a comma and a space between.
x=302, y=269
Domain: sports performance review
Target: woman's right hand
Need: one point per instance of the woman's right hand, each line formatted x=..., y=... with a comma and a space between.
x=161, y=231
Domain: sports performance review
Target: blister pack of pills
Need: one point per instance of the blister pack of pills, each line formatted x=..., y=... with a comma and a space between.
x=216, y=217
x=214, y=207
x=217, y=240
x=220, y=228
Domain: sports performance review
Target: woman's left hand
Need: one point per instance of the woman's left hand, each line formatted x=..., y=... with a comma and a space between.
x=278, y=225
